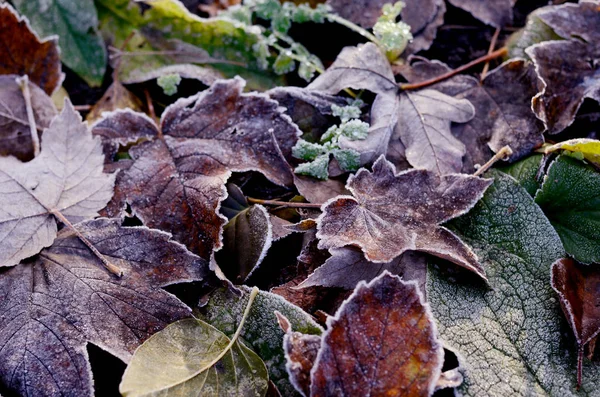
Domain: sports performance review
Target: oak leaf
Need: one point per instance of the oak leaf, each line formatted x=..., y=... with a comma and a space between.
x=382, y=339
x=391, y=213
x=24, y=53
x=65, y=178
x=52, y=306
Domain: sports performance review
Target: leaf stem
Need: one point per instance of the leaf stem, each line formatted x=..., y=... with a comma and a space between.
x=486, y=67
x=501, y=155
x=109, y=266
x=235, y=336
x=23, y=83
x=283, y=203
x=493, y=55
x=356, y=28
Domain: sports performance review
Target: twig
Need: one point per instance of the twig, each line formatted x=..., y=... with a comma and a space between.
x=415, y=86
x=150, y=106
x=23, y=83
x=109, y=266
x=283, y=203
x=486, y=67
x=501, y=155
x=82, y=108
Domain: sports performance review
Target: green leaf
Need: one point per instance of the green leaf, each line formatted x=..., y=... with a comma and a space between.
x=535, y=31
x=510, y=337
x=75, y=23
x=169, y=83
x=191, y=357
x=318, y=168
x=526, y=172
x=583, y=148
x=284, y=64
x=307, y=150
x=261, y=330
x=348, y=159
x=570, y=197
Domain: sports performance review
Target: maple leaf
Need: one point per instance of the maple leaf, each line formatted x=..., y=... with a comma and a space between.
x=564, y=92
x=502, y=104
x=15, y=132
x=363, y=352
x=115, y=97
x=202, y=140
x=391, y=213
x=64, y=181
x=52, y=306
x=24, y=53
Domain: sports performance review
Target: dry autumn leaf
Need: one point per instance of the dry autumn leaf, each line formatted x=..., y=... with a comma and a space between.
x=391, y=213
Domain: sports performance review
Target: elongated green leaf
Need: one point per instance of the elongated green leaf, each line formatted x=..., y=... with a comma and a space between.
x=261, y=330
x=75, y=23
x=191, y=357
x=570, y=197
x=510, y=338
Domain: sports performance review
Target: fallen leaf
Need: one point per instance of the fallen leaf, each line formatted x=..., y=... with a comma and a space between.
x=53, y=306
x=261, y=330
x=191, y=356
x=382, y=339
x=569, y=198
x=300, y=354
x=497, y=13
x=206, y=137
x=391, y=213
x=578, y=288
x=318, y=191
x=116, y=97
x=588, y=148
x=15, y=132
x=75, y=24
x=513, y=330
x=572, y=77
x=347, y=267
x=66, y=177
x=24, y=53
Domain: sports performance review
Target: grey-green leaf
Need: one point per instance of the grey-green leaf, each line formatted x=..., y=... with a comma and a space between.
x=75, y=23
x=183, y=360
x=526, y=172
x=570, y=197
x=510, y=338
x=261, y=330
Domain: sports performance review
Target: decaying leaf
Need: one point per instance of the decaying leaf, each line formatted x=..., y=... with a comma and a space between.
x=53, y=306
x=24, y=53
x=261, y=330
x=391, y=213
x=569, y=198
x=347, y=267
x=116, y=97
x=514, y=330
x=588, y=149
x=573, y=76
x=300, y=352
x=382, y=339
x=15, y=132
x=317, y=191
x=66, y=177
x=75, y=24
x=191, y=357
x=204, y=138
x=497, y=13
x=578, y=288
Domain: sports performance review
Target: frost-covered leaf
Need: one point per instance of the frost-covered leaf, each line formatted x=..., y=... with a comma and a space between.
x=527, y=172
x=191, y=357
x=573, y=76
x=509, y=338
x=206, y=137
x=363, y=67
x=300, y=352
x=169, y=82
x=569, y=198
x=578, y=287
x=53, y=306
x=382, y=338
x=588, y=149
x=75, y=24
x=497, y=13
x=66, y=177
x=116, y=97
x=246, y=239
x=317, y=168
x=502, y=104
x=316, y=191
x=424, y=129
x=391, y=213
x=261, y=330
x=15, y=132
x=24, y=53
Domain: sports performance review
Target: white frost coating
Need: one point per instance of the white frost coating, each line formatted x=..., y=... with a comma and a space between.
x=428, y=313
x=268, y=240
x=110, y=113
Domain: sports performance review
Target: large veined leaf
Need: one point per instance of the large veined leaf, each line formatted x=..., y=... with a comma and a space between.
x=510, y=338
x=75, y=23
